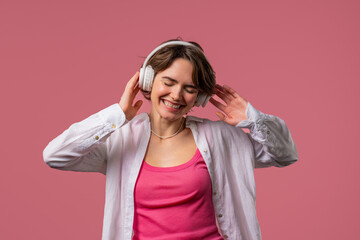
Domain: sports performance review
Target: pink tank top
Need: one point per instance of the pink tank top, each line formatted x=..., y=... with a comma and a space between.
x=175, y=202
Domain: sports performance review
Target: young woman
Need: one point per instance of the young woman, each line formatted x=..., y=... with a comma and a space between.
x=170, y=176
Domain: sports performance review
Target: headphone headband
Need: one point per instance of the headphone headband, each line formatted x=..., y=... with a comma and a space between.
x=166, y=44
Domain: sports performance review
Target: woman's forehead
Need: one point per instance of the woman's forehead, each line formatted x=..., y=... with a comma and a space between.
x=180, y=70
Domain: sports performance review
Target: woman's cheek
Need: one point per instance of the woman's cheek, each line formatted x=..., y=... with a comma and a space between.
x=163, y=88
x=192, y=98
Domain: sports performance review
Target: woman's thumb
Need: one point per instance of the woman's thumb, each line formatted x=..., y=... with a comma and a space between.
x=220, y=115
x=138, y=105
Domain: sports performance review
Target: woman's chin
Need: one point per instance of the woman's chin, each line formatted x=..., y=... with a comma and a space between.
x=170, y=116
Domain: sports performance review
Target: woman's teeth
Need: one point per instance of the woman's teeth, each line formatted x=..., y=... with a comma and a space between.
x=171, y=105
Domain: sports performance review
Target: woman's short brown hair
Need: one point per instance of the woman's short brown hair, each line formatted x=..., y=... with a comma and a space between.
x=203, y=74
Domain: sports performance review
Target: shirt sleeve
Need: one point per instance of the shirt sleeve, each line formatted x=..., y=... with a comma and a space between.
x=272, y=141
x=82, y=146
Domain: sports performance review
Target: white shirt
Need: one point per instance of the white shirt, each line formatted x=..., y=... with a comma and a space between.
x=107, y=143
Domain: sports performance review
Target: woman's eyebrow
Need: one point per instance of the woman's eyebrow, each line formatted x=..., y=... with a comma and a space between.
x=169, y=78
x=174, y=80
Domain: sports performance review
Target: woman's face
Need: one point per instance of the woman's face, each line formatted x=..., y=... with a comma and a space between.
x=173, y=92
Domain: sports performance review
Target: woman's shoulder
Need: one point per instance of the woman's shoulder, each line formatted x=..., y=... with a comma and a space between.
x=205, y=122
x=217, y=130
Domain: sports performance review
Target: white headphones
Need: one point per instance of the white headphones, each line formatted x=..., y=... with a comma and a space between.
x=146, y=77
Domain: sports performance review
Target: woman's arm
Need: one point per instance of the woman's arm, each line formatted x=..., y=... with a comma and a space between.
x=271, y=138
x=82, y=146
x=272, y=141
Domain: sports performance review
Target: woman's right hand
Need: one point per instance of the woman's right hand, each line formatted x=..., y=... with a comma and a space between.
x=128, y=96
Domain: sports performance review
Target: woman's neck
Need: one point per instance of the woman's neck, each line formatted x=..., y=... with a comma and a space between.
x=165, y=127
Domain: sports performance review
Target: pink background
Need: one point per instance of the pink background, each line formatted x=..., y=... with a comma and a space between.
x=61, y=61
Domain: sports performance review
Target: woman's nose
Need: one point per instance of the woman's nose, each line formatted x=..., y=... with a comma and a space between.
x=176, y=93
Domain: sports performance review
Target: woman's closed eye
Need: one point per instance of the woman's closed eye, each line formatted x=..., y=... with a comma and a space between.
x=188, y=89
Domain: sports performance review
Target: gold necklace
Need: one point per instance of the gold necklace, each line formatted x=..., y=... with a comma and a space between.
x=165, y=137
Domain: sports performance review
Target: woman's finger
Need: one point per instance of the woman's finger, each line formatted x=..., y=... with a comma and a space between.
x=231, y=91
x=133, y=80
x=129, y=91
x=217, y=104
x=134, y=93
x=226, y=93
x=221, y=115
x=138, y=105
x=132, y=87
x=223, y=96
x=234, y=93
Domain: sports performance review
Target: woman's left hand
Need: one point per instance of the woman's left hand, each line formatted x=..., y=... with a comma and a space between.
x=234, y=110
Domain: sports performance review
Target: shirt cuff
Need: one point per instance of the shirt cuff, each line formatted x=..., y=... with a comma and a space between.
x=113, y=116
x=253, y=115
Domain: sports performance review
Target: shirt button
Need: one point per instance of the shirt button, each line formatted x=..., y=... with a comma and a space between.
x=97, y=137
x=113, y=126
x=214, y=193
x=268, y=131
x=205, y=150
x=220, y=215
x=225, y=236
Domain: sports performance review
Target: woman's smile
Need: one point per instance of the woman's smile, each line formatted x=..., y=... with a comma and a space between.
x=171, y=106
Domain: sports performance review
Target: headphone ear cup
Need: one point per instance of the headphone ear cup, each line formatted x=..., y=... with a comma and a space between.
x=141, y=78
x=202, y=99
x=146, y=78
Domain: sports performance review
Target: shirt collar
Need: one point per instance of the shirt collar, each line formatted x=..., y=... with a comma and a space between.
x=193, y=118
